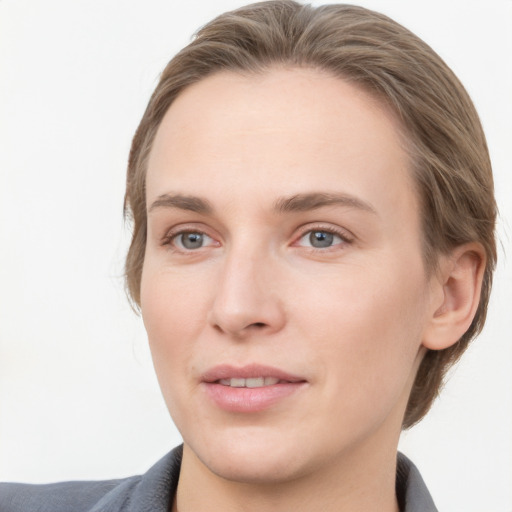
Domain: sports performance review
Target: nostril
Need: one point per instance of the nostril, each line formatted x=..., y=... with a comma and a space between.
x=258, y=325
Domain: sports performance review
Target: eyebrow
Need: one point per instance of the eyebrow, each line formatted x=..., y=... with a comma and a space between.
x=182, y=202
x=314, y=200
x=296, y=203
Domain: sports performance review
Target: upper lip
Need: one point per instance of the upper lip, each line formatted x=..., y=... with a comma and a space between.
x=226, y=371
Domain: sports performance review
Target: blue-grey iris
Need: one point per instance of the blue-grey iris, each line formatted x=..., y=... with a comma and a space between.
x=192, y=240
x=321, y=239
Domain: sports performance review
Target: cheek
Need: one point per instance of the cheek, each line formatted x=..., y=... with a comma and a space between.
x=173, y=315
x=367, y=332
x=365, y=299
x=171, y=312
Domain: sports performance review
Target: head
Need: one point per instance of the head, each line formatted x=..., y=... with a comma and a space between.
x=439, y=128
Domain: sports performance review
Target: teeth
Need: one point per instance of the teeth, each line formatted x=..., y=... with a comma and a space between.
x=256, y=382
x=253, y=382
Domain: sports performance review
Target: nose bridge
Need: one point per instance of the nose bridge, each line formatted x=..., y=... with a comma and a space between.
x=246, y=298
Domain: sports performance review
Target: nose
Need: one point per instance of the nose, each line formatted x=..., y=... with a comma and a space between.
x=247, y=299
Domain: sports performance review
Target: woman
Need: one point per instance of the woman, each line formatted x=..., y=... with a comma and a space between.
x=313, y=247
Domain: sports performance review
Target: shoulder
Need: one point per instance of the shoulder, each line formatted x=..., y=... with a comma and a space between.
x=155, y=489
x=58, y=497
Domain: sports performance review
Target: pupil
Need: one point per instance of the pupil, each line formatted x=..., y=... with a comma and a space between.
x=321, y=239
x=192, y=240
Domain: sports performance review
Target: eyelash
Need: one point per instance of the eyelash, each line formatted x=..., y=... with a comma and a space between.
x=342, y=234
x=170, y=237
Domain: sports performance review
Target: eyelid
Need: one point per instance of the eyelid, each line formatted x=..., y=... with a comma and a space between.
x=343, y=233
x=173, y=232
x=178, y=240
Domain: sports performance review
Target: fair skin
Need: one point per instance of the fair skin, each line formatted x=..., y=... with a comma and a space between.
x=289, y=238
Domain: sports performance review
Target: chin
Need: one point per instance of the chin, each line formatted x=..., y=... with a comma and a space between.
x=259, y=469
x=249, y=458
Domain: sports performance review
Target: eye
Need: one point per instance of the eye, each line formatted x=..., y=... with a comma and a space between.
x=190, y=240
x=321, y=239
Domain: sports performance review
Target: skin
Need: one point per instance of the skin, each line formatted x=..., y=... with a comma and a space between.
x=350, y=318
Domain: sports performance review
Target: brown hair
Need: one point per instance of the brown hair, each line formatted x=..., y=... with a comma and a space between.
x=449, y=155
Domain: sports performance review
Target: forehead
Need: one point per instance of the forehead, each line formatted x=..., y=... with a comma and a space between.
x=283, y=131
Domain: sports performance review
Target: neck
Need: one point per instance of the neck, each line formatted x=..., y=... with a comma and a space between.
x=362, y=481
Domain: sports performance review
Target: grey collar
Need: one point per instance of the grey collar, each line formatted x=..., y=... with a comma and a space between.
x=411, y=491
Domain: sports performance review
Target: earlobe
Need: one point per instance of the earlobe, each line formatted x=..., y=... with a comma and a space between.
x=459, y=284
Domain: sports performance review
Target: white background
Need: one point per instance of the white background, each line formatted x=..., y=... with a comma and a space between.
x=78, y=399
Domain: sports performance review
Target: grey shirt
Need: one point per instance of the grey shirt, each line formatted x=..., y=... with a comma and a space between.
x=154, y=491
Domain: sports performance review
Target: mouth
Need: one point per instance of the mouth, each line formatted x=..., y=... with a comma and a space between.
x=249, y=376
x=253, y=382
x=251, y=388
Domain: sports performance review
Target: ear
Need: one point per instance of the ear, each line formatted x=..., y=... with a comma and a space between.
x=456, y=295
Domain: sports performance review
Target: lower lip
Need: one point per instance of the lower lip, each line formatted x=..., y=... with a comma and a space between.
x=250, y=399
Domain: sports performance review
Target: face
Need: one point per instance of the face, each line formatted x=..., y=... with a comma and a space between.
x=283, y=290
